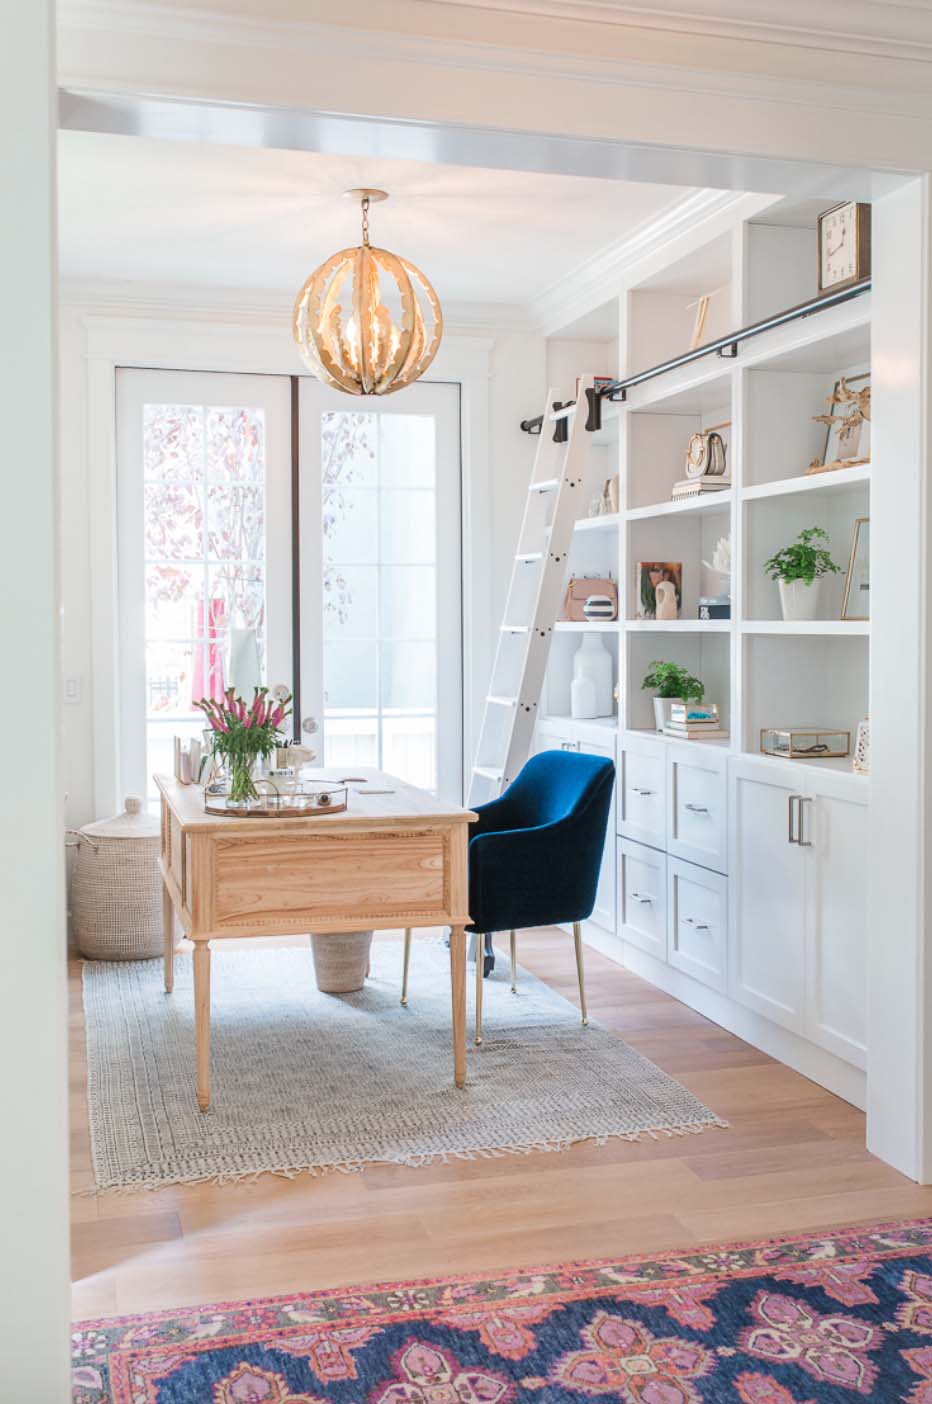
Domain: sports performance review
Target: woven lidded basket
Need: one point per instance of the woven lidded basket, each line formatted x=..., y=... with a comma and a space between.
x=116, y=887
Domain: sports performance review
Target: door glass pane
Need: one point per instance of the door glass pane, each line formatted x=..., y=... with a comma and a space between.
x=380, y=630
x=204, y=559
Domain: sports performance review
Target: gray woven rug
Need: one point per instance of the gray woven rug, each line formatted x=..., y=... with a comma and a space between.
x=308, y=1082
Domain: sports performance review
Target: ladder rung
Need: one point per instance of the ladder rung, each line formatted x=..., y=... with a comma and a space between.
x=515, y=628
x=527, y=557
x=545, y=485
x=487, y=772
x=501, y=701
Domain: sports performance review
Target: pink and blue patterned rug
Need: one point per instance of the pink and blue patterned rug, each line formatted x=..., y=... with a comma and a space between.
x=825, y=1318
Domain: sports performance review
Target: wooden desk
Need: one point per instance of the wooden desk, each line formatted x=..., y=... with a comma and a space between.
x=390, y=860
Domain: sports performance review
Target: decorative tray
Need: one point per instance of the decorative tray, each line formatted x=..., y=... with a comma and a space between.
x=297, y=800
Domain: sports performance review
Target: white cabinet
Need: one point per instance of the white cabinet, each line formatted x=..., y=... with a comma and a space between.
x=642, y=897
x=768, y=911
x=552, y=736
x=799, y=855
x=697, y=907
x=642, y=790
x=834, y=821
x=697, y=803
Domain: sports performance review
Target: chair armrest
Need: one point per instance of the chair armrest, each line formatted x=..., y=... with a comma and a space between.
x=497, y=816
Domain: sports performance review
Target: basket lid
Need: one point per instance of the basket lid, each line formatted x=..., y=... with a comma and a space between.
x=134, y=822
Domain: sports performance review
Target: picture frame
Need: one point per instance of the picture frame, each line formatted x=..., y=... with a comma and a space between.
x=848, y=433
x=856, y=599
x=650, y=575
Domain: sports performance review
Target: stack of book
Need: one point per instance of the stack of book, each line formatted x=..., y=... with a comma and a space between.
x=695, y=487
x=695, y=721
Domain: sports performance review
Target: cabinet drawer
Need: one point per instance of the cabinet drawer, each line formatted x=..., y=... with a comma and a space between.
x=642, y=897
x=697, y=904
x=696, y=808
x=642, y=785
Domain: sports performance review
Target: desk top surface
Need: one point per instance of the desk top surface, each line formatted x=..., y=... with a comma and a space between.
x=376, y=800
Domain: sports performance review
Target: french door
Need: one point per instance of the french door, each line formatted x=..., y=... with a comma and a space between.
x=204, y=568
x=206, y=586
x=381, y=634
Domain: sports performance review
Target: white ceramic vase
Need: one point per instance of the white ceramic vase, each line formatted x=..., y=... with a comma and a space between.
x=799, y=600
x=592, y=678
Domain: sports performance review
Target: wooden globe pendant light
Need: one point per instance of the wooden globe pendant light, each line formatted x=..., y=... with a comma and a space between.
x=348, y=335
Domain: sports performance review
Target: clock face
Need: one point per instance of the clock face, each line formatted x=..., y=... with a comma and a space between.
x=839, y=258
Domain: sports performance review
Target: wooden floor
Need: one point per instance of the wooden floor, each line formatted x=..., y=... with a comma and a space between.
x=793, y=1158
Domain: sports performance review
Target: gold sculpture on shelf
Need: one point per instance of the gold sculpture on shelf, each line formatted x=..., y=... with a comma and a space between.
x=347, y=334
x=848, y=432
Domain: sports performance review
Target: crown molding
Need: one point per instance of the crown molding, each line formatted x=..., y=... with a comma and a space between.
x=258, y=307
x=189, y=26
x=603, y=274
x=900, y=29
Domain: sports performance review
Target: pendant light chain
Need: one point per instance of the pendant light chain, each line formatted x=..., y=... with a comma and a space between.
x=365, y=220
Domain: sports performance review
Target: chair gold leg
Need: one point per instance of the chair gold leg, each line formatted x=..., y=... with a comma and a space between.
x=514, y=963
x=577, y=942
x=407, y=962
x=480, y=974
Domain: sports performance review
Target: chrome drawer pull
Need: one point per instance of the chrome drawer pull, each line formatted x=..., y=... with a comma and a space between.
x=696, y=808
x=699, y=925
x=636, y=897
x=642, y=793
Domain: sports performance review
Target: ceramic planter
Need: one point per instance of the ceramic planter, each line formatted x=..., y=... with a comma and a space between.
x=663, y=710
x=799, y=600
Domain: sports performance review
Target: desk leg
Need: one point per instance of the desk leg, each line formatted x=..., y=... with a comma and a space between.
x=168, y=935
x=202, y=1021
x=458, y=987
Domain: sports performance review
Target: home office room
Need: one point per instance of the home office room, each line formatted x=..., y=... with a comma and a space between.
x=479, y=598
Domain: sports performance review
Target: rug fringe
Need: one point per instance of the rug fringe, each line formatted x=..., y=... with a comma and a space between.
x=413, y=1162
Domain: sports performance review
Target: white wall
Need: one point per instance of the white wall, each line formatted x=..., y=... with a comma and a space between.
x=34, y=1355
x=503, y=373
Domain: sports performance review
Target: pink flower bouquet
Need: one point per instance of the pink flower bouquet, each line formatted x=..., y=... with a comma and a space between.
x=243, y=732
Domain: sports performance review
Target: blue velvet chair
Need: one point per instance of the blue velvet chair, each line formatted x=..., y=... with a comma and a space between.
x=535, y=854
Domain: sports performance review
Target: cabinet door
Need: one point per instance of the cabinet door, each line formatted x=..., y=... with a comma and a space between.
x=642, y=897
x=697, y=916
x=603, y=913
x=835, y=823
x=767, y=907
x=697, y=798
x=642, y=785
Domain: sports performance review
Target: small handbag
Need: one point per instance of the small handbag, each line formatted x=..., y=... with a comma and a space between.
x=579, y=590
x=705, y=455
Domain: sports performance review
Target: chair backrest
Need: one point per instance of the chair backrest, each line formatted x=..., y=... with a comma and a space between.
x=556, y=784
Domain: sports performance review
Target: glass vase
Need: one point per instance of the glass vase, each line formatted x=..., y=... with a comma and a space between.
x=242, y=786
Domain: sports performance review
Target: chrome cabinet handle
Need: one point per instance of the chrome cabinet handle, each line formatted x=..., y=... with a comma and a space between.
x=803, y=842
x=792, y=835
x=694, y=921
x=696, y=808
x=643, y=793
x=637, y=897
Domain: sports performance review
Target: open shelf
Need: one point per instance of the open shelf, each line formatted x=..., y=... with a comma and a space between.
x=590, y=626
x=684, y=506
x=678, y=626
x=816, y=485
x=603, y=723
x=811, y=628
x=721, y=743
x=609, y=522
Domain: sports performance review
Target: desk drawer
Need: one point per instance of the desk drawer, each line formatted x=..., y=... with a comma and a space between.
x=642, y=897
x=347, y=881
x=697, y=903
x=642, y=793
x=696, y=807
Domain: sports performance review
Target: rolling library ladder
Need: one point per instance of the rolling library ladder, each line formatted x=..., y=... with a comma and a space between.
x=555, y=498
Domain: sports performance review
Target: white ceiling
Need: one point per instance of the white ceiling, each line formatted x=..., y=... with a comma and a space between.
x=214, y=216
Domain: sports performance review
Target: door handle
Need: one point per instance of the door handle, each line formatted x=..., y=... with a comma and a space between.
x=694, y=921
x=696, y=808
x=803, y=842
x=643, y=793
x=637, y=897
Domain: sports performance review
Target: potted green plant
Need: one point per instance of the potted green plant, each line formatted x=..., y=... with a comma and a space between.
x=672, y=683
x=798, y=570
